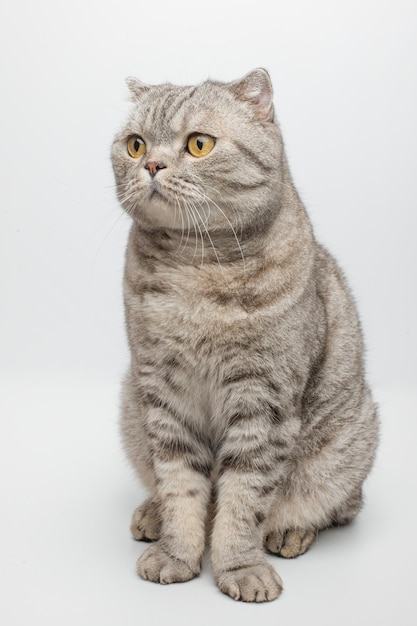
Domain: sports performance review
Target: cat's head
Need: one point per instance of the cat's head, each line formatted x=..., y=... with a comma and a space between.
x=203, y=157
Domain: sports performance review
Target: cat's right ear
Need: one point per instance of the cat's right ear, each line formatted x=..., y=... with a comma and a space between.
x=136, y=87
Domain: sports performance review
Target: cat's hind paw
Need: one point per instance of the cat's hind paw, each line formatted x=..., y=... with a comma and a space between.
x=256, y=583
x=146, y=522
x=291, y=543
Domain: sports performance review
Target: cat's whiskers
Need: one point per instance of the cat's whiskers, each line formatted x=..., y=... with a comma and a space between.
x=170, y=189
x=180, y=192
x=190, y=210
x=201, y=190
x=212, y=245
x=179, y=210
x=184, y=243
x=209, y=202
x=125, y=198
x=193, y=199
x=116, y=221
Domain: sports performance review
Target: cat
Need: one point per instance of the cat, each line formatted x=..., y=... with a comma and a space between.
x=245, y=409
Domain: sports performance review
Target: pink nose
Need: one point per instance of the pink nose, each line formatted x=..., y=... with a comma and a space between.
x=153, y=167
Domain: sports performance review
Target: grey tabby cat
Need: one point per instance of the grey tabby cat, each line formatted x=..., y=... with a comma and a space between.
x=245, y=410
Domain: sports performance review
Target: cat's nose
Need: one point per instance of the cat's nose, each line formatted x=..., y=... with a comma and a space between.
x=153, y=167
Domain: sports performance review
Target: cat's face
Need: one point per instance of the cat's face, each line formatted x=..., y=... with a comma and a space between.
x=193, y=158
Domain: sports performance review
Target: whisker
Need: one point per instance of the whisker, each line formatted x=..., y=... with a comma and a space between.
x=121, y=216
x=190, y=209
x=190, y=221
x=181, y=246
x=213, y=247
x=210, y=202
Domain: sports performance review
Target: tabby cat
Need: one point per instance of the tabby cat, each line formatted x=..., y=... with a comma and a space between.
x=245, y=410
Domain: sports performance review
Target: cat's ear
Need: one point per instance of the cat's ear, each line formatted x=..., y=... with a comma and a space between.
x=136, y=87
x=256, y=88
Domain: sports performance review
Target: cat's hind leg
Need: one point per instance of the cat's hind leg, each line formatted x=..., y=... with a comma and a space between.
x=293, y=523
x=146, y=521
x=289, y=543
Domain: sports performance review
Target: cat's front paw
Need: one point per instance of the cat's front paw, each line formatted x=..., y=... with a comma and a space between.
x=159, y=567
x=256, y=583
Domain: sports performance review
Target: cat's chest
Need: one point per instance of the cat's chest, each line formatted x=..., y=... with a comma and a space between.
x=191, y=305
x=179, y=330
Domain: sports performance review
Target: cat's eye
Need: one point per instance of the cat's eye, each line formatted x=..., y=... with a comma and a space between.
x=200, y=145
x=136, y=146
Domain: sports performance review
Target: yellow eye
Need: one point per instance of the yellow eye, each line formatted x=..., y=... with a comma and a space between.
x=136, y=146
x=200, y=145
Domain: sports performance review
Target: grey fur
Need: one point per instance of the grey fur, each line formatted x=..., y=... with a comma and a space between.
x=246, y=390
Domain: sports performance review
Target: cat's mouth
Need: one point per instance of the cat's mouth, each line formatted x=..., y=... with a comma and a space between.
x=157, y=201
x=156, y=194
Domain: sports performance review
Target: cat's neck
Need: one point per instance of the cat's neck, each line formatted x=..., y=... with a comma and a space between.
x=277, y=231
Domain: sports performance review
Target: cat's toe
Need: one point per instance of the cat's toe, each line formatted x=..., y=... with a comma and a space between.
x=257, y=583
x=274, y=541
x=159, y=567
x=291, y=543
x=146, y=522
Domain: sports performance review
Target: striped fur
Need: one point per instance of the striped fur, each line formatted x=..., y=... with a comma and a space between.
x=245, y=408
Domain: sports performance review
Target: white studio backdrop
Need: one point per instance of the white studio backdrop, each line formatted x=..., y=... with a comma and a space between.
x=345, y=84
x=345, y=80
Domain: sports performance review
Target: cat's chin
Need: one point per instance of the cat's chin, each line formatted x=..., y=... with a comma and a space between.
x=159, y=212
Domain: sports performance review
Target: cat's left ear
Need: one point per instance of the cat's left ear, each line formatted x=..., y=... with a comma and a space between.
x=136, y=87
x=256, y=88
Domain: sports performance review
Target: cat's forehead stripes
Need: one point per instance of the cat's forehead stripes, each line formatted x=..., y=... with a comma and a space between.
x=162, y=106
x=168, y=111
x=174, y=104
x=160, y=112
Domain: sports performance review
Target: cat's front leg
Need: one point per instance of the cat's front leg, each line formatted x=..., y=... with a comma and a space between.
x=251, y=462
x=239, y=563
x=184, y=494
x=182, y=472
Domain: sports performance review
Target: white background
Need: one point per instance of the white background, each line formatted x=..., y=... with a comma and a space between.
x=345, y=79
